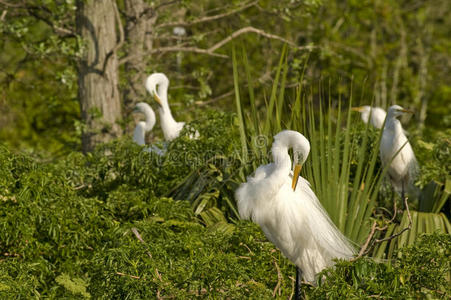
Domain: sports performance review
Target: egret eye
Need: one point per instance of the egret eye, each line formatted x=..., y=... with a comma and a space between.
x=298, y=156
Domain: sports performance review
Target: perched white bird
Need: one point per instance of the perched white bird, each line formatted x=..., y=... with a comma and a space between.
x=143, y=127
x=402, y=165
x=157, y=85
x=139, y=134
x=288, y=211
x=376, y=117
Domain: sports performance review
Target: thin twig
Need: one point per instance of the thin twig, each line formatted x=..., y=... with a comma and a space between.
x=367, y=242
x=406, y=205
x=259, y=32
x=138, y=236
x=248, y=249
x=209, y=18
x=202, y=103
x=2, y=18
x=212, y=49
x=131, y=276
x=279, y=280
x=366, y=248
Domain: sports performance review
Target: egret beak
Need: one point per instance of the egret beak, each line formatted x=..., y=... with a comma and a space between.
x=358, y=109
x=296, y=172
x=407, y=111
x=156, y=98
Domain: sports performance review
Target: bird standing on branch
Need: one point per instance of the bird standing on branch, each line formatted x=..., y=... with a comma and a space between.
x=289, y=213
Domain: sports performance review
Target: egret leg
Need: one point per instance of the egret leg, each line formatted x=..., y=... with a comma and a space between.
x=297, y=287
x=402, y=191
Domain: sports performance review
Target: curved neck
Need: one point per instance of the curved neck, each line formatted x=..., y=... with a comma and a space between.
x=393, y=124
x=150, y=119
x=281, y=158
x=167, y=120
x=139, y=133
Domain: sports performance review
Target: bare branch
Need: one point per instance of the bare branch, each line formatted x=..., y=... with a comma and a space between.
x=279, y=280
x=161, y=5
x=209, y=18
x=225, y=95
x=13, y=5
x=138, y=236
x=212, y=49
x=367, y=247
x=33, y=11
x=131, y=276
x=186, y=49
x=61, y=31
x=259, y=32
x=2, y=18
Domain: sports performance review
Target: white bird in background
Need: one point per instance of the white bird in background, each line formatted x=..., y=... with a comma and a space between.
x=377, y=115
x=142, y=127
x=157, y=85
x=139, y=134
x=402, y=165
x=288, y=211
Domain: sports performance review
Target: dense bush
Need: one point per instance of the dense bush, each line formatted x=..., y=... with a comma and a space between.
x=93, y=226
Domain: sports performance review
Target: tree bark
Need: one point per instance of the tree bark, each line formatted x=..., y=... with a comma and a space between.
x=139, y=23
x=98, y=72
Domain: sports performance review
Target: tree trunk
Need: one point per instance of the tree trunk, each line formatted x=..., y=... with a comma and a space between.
x=139, y=22
x=98, y=72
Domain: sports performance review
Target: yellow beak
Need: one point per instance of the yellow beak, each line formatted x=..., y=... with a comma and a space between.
x=156, y=98
x=407, y=111
x=359, y=108
x=296, y=172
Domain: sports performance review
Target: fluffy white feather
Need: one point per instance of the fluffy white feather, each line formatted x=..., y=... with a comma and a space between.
x=157, y=84
x=294, y=221
x=375, y=115
x=403, y=168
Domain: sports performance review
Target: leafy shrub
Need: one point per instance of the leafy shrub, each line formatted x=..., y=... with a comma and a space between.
x=421, y=270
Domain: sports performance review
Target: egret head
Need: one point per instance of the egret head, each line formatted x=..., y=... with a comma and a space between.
x=301, y=148
x=140, y=107
x=157, y=85
x=396, y=111
x=364, y=111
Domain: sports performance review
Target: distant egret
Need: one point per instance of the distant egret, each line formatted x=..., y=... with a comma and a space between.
x=139, y=134
x=288, y=211
x=157, y=85
x=402, y=165
x=376, y=118
x=142, y=127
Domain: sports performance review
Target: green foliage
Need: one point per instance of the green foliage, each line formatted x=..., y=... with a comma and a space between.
x=65, y=235
x=421, y=271
x=76, y=285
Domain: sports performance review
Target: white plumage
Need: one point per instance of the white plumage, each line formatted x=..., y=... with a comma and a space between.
x=294, y=221
x=375, y=115
x=139, y=134
x=403, y=168
x=142, y=127
x=157, y=85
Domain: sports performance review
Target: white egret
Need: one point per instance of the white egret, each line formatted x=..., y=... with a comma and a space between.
x=375, y=115
x=288, y=211
x=402, y=165
x=143, y=127
x=139, y=134
x=157, y=85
